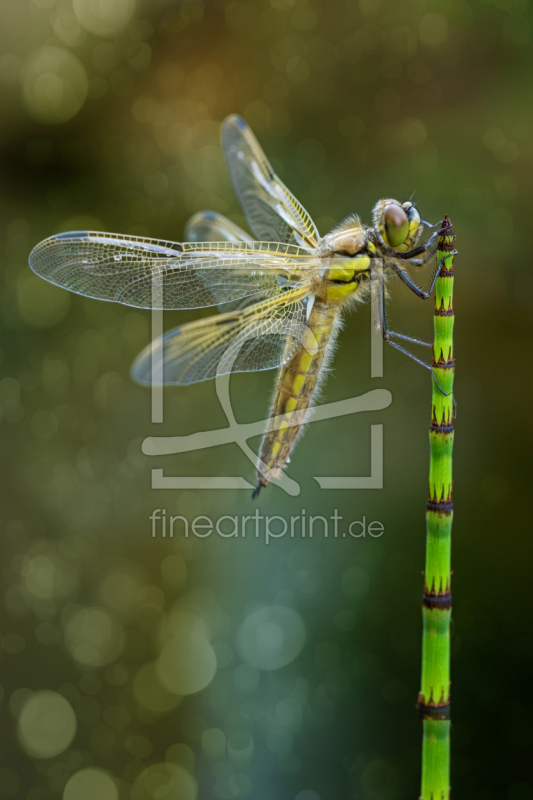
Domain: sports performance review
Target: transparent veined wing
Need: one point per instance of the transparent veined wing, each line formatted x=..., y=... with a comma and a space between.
x=271, y=210
x=147, y=273
x=260, y=337
x=210, y=226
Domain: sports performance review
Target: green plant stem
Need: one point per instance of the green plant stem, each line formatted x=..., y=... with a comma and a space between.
x=434, y=696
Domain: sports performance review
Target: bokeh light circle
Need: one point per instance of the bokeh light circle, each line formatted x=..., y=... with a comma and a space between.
x=166, y=781
x=187, y=663
x=104, y=17
x=180, y=622
x=90, y=783
x=214, y=743
x=55, y=85
x=47, y=575
x=271, y=637
x=94, y=637
x=46, y=725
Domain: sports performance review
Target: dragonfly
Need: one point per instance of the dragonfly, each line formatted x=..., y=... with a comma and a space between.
x=281, y=294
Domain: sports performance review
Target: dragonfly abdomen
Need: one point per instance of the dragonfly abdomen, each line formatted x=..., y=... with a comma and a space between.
x=296, y=388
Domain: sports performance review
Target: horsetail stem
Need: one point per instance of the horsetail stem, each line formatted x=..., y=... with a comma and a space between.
x=434, y=697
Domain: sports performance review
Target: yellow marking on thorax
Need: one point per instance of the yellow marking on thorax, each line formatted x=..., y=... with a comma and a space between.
x=340, y=279
x=335, y=292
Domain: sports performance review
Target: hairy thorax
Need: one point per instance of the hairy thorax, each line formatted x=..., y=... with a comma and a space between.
x=346, y=255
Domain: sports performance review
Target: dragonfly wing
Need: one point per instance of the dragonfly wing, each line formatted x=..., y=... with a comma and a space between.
x=209, y=226
x=146, y=273
x=260, y=337
x=271, y=210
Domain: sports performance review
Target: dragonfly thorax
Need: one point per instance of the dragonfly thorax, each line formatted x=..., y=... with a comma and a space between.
x=346, y=257
x=345, y=241
x=342, y=275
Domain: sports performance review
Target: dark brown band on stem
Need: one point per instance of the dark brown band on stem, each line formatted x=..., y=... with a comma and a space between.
x=440, y=712
x=444, y=429
x=440, y=507
x=442, y=602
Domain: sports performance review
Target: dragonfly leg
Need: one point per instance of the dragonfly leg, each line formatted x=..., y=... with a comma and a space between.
x=409, y=339
x=423, y=248
x=419, y=262
x=429, y=225
x=386, y=337
x=411, y=284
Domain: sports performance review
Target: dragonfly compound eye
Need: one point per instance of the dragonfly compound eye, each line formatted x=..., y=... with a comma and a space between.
x=396, y=224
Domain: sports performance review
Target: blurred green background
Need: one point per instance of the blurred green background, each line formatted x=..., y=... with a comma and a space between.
x=179, y=668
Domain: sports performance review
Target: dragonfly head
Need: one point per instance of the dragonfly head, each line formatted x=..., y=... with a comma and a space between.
x=397, y=225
